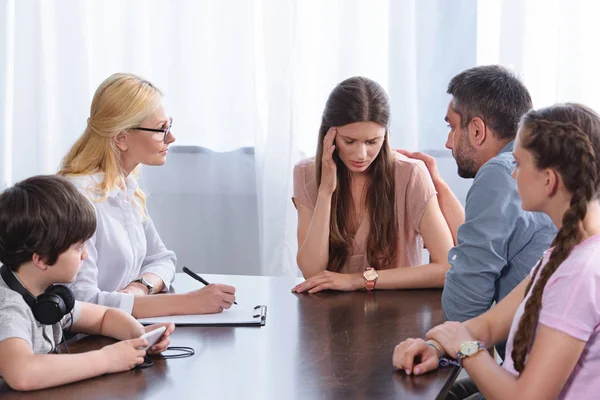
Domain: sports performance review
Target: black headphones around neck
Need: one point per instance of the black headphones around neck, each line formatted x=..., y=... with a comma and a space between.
x=49, y=307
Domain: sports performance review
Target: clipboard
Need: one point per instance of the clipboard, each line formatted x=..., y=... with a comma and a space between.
x=235, y=316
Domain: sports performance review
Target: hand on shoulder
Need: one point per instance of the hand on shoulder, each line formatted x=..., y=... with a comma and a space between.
x=429, y=161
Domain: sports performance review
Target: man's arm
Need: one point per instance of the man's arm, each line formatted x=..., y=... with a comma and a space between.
x=453, y=211
x=492, y=208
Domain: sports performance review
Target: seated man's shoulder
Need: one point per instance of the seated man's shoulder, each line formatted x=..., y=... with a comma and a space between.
x=503, y=161
x=497, y=172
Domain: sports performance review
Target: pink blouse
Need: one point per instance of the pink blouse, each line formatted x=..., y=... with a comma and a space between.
x=414, y=189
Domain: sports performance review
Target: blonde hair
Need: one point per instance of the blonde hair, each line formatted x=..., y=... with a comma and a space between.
x=121, y=102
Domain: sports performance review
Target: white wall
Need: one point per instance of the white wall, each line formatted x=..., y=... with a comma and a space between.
x=210, y=222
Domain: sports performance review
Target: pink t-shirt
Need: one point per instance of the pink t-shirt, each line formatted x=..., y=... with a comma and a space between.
x=571, y=304
x=414, y=188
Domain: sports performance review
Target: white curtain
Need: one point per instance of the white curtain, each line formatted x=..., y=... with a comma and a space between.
x=550, y=43
x=256, y=74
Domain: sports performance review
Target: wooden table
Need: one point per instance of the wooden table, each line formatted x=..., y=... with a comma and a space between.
x=324, y=346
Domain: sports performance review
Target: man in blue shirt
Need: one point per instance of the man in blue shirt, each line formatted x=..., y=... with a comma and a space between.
x=496, y=241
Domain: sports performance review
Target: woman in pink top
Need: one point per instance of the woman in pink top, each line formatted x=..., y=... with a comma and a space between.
x=552, y=319
x=364, y=210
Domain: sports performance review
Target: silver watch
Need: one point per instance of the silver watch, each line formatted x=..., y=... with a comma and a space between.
x=146, y=283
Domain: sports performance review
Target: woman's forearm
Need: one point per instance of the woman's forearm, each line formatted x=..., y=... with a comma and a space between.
x=419, y=277
x=313, y=254
x=160, y=304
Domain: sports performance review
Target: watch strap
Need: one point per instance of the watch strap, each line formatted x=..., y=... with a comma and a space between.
x=144, y=281
x=460, y=356
x=370, y=285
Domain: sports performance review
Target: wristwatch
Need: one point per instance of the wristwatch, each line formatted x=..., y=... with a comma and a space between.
x=467, y=349
x=146, y=283
x=370, y=275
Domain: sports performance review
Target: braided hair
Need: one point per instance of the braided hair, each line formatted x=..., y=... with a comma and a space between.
x=566, y=138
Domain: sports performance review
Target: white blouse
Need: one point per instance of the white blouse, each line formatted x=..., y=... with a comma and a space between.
x=124, y=246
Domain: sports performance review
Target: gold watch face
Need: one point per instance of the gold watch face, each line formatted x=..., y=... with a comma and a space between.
x=469, y=348
x=370, y=275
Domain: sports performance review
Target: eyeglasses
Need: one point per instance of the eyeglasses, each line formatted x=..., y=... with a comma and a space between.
x=164, y=130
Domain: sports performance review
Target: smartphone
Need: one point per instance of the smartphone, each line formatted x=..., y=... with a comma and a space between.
x=153, y=336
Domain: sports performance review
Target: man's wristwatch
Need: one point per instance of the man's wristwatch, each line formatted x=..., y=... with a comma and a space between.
x=146, y=283
x=370, y=275
x=467, y=349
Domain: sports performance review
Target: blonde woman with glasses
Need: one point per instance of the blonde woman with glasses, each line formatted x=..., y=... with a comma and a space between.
x=128, y=266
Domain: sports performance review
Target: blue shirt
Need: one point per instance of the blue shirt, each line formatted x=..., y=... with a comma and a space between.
x=498, y=244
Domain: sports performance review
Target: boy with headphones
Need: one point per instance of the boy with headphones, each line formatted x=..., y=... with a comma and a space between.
x=44, y=222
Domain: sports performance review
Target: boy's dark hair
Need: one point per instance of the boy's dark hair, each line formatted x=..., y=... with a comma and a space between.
x=45, y=215
x=492, y=93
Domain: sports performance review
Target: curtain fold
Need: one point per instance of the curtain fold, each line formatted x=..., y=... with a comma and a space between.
x=549, y=43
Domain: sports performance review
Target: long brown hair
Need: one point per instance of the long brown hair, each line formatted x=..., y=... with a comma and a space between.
x=566, y=138
x=360, y=99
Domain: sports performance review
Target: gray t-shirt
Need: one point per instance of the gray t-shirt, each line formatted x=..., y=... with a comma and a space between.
x=18, y=322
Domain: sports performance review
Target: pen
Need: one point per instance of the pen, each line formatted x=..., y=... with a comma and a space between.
x=198, y=277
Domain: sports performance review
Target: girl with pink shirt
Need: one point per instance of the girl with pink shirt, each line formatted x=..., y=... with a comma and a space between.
x=365, y=212
x=552, y=319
